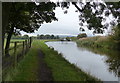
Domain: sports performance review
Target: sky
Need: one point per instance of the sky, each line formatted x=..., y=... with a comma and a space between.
x=67, y=24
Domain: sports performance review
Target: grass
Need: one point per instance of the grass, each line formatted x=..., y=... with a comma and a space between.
x=61, y=69
x=27, y=68
x=19, y=49
x=13, y=40
x=96, y=42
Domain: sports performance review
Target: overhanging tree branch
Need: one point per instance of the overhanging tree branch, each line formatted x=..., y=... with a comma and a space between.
x=74, y=3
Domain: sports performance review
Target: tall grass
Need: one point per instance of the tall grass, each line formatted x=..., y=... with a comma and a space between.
x=97, y=42
x=26, y=69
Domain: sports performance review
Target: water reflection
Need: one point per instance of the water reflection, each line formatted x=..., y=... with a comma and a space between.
x=112, y=60
x=102, y=64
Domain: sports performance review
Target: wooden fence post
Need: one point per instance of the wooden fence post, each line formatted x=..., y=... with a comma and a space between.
x=23, y=48
x=27, y=44
x=15, y=55
x=30, y=41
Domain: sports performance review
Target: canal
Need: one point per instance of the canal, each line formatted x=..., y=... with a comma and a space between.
x=98, y=63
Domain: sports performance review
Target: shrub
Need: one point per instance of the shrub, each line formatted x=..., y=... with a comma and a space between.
x=82, y=35
x=115, y=36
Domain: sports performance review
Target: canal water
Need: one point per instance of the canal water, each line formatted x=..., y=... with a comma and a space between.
x=99, y=63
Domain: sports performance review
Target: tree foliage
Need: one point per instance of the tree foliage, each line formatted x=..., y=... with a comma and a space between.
x=20, y=37
x=28, y=17
x=94, y=13
x=47, y=37
x=68, y=38
x=82, y=35
x=115, y=37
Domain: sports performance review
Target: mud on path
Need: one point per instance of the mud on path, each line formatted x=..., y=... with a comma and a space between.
x=44, y=72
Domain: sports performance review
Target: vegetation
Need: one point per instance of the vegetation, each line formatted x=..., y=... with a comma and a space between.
x=26, y=69
x=18, y=48
x=108, y=42
x=95, y=18
x=47, y=37
x=68, y=38
x=73, y=38
x=19, y=37
x=26, y=17
x=61, y=69
x=97, y=42
x=115, y=37
x=82, y=35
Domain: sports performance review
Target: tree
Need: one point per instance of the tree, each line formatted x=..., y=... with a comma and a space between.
x=41, y=36
x=28, y=17
x=57, y=37
x=115, y=37
x=47, y=37
x=52, y=36
x=82, y=35
x=38, y=36
x=68, y=38
x=92, y=14
x=25, y=36
x=5, y=16
x=16, y=37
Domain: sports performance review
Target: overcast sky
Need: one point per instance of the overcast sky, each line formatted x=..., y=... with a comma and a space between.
x=67, y=24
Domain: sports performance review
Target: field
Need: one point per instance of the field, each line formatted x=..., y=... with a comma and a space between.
x=13, y=40
x=27, y=69
x=12, y=44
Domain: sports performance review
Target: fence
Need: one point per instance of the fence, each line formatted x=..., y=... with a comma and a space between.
x=15, y=57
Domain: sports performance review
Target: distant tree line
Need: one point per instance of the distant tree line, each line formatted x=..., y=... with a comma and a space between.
x=18, y=37
x=35, y=37
x=47, y=37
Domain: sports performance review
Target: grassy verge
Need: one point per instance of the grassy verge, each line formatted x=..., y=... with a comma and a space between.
x=61, y=69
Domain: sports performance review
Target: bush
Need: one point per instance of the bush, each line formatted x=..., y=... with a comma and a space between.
x=82, y=35
x=115, y=36
x=68, y=39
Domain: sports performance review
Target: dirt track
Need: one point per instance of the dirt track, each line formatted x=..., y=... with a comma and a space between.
x=44, y=72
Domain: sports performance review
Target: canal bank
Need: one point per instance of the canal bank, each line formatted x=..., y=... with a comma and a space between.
x=103, y=42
